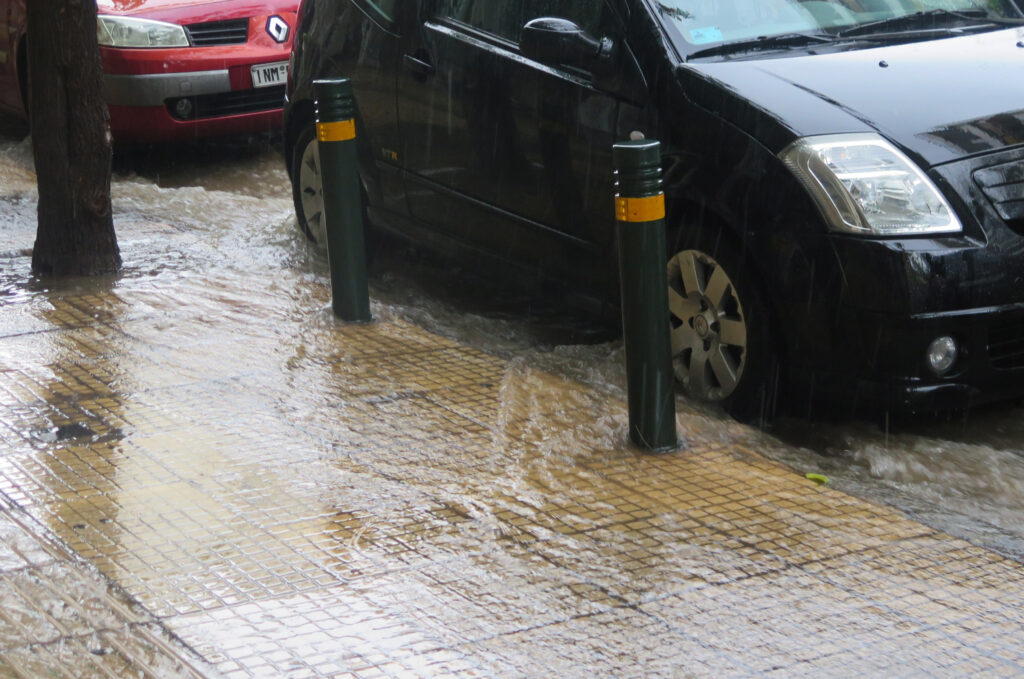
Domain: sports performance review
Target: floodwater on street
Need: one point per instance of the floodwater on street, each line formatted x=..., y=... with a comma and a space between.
x=962, y=474
x=506, y=526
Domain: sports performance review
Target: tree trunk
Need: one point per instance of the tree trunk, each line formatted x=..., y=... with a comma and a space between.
x=70, y=140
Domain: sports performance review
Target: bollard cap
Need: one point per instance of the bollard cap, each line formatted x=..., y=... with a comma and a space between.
x=637, y=170
x=334, y=100
x=333, y=87
x=636, y=155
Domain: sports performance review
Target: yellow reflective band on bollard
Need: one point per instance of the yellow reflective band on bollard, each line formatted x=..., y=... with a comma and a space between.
x=344, y=130
x=640, y=209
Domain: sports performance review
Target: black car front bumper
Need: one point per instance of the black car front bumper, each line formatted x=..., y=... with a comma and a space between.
x=893, y=370
x=870, y=308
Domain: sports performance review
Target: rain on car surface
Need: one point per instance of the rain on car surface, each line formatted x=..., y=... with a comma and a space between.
x=844, y=178
x=175, y=69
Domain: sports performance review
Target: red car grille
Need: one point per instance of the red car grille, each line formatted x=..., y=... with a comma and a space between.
x=228, y=32
x=229, y=103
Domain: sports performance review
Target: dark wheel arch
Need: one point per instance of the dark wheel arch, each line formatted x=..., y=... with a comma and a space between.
x=299, y=116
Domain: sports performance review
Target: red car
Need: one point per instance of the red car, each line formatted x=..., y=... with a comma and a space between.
x=175, y=69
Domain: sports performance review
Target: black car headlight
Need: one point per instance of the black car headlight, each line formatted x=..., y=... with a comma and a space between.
x=864, y=185
x=117, y=31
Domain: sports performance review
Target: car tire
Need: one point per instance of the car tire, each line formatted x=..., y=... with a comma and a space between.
x=722, y=348
x=307, y=187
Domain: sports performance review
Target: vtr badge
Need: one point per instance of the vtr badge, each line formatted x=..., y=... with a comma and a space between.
x=277, y=28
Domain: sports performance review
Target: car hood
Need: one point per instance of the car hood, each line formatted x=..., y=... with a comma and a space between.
x=185, y=11
x=940, y=100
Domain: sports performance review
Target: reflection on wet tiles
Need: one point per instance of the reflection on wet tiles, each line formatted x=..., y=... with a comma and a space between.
x=493, y=593
x=138, y=651
x=741, y=619
x=334, y=633
x=62, y=618
x=622, y=642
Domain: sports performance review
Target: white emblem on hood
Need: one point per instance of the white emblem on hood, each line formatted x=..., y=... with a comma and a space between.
x=277, y=28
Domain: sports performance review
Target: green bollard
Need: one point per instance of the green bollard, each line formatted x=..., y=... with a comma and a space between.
x=643, y=276
x=343, y=208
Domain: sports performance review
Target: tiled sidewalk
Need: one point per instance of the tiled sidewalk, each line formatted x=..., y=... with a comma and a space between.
x=239, y=477
x=59, y=617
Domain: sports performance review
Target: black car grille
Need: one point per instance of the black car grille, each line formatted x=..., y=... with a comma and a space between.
x=1004, y=186
x=228, y=32
x=228, y=103
x=1006, y=344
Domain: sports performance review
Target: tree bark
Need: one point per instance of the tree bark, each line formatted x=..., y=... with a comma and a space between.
x=71, y=141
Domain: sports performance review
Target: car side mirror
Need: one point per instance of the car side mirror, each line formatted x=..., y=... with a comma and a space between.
x=555, y=41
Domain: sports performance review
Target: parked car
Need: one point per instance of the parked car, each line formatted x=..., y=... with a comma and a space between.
x=175, y=69
x=844, y=178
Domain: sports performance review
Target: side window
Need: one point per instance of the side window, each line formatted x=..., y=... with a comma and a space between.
x=505, y=18
x=384, y=9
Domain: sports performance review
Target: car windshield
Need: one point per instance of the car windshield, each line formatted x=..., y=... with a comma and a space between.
x=711, y=26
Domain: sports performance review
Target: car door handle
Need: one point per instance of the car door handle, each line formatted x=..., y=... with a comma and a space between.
x=417, y=65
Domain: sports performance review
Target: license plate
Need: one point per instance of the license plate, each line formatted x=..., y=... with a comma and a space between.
x=266, y=75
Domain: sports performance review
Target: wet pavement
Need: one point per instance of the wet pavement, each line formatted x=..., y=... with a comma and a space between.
x=60, y=617
x=202, y=473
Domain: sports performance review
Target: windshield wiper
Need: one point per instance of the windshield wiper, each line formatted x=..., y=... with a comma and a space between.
x=927, y=20
x=765, y=42
x=674, y=12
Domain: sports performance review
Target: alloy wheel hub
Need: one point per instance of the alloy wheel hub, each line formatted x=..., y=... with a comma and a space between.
x=701, y=325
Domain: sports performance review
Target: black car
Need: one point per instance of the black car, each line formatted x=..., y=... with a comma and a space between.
x=844, y=178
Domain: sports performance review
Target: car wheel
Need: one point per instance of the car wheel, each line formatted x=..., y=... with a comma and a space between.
x=307, y=187
x=721, y=347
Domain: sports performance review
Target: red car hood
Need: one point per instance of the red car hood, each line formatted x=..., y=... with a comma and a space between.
x=186, y=11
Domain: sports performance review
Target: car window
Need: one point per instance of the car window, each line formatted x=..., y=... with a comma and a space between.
x=499, y=17
x=506, y=18
x=703, y=22
x=385, y=9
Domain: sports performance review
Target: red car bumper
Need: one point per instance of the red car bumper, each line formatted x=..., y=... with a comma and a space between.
x=148, y=124
x=185, y=93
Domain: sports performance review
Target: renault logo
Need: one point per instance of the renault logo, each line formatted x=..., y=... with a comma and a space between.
x=277, y=28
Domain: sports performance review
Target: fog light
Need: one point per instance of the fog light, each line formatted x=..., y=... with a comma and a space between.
x=183, y=109
x=942, y=354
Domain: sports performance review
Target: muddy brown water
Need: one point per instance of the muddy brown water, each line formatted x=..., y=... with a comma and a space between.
x=963, y=474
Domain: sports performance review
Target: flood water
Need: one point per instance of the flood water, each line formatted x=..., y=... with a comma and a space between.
x=230, y=203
